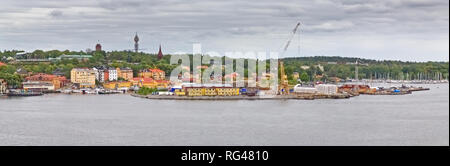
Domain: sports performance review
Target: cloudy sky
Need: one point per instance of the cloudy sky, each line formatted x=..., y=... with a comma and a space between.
x=409, y=30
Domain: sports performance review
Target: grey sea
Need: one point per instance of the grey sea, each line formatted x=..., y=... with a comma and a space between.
x=421, y=118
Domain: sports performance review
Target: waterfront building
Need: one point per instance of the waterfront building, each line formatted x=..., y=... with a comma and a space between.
x=57, y=81
x=144, y=82
x=210, y=90
x=125, y=73
x=103, y=75
x=162, y=84
x=356, y=88
x=37, y=86
x=97, y=75
x=83, y=77
x=117, y=84
x=304, y=89
x=194, y=90
x=155, y=74
x=3, y=86
x=327, y=89
x=112, y=74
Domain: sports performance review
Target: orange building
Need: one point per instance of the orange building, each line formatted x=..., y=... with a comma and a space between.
x=144, y=82
x=125, y=73
x=155, y=74
x=57, y=81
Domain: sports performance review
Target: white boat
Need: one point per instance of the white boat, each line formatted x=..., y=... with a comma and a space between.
x=67, y=91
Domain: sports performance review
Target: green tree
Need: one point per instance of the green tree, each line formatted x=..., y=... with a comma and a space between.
x=304, y=77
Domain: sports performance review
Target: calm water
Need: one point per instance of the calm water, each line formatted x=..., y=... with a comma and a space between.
x=418, y=119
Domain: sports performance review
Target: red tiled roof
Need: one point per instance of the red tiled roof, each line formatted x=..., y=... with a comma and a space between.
x=162, y=81
x=2, y=64
x=155, y=70
x=145, y=80
x=45, y=77
x=41, y=77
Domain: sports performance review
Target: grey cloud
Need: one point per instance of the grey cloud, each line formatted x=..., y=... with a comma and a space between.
x=56, y=13
x=263, y=24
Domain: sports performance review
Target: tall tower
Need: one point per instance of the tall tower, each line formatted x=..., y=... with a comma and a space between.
x=98, y=46
x=136, y=43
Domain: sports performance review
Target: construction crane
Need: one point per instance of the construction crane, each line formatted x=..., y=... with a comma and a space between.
x=283, y=87
x=357, y=64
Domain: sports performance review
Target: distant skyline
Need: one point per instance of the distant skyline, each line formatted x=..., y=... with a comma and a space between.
x=406, y=30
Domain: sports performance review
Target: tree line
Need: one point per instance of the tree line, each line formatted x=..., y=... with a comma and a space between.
x=309, y=68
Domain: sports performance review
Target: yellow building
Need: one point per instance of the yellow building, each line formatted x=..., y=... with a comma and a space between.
x=227, y=91
x=209, y=90
x=155, y=74
x=125, y=73
x=117, y=84
x=194, y=91
x=84, y=77
x=144, y=82
x=180, y=92
x=163, y=84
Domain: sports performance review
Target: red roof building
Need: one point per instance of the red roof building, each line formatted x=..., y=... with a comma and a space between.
x=2, y=64
x=57, y=81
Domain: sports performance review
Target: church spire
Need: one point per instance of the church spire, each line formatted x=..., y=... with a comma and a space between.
x=160, y=54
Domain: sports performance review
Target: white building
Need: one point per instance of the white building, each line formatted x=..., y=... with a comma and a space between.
x=97, y=74
x=301, y=89
x=327, y=89
x=112, y=74
x=38, y=86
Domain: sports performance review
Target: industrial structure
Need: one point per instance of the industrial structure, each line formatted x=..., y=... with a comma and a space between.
x=283, y=87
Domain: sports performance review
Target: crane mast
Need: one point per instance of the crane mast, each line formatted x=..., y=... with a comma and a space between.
x=283, y=87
